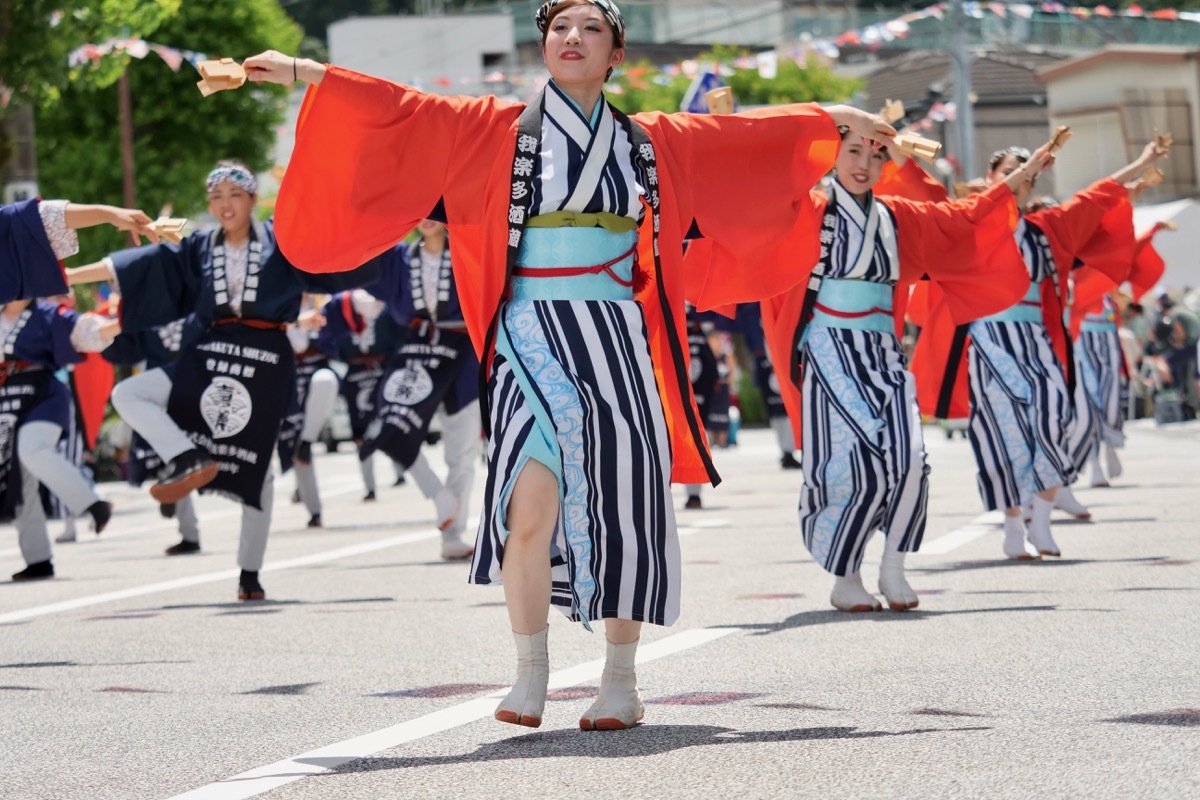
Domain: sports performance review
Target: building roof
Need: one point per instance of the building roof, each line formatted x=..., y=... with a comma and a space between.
x=995, y=76
x=1118, y=53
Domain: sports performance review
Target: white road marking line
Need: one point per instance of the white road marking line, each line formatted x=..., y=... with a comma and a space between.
x=330, y=757
x=222, y=575
x=980, y=526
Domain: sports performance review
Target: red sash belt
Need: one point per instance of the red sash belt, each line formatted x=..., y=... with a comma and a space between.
x=571, y=272
x=833, y=312
x=260, y=324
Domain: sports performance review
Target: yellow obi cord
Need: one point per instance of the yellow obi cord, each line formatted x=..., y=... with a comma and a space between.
x=570, y=219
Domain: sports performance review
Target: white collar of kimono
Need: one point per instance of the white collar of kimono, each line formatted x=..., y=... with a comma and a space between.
x=596, y=140
x=866, y=226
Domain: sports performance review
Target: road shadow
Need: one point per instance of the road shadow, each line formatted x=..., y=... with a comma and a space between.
x=644, y=740
x=807, y=619
x=1004, y=563
x=268, y=605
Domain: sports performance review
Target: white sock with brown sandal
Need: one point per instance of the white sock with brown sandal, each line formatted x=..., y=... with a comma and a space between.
x=849, y=594
x=1015, y=546
x=527, y=699
x=893, y=584
x=1039, y=527
x=1064, y=499
x=619, y=705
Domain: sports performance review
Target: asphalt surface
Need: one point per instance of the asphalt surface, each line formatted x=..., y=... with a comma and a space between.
x=366, y=673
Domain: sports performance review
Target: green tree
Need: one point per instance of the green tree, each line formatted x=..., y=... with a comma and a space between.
x=37, y=35
x=178, y=134
x=642, y=87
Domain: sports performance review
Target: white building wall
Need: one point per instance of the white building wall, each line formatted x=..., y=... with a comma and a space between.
x=423, y=50
x=1090, y=102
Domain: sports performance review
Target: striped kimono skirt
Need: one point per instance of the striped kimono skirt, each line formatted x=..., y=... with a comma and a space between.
x=1021, y=412
x=573, y=387
x=1098, y=363
x=864, y=453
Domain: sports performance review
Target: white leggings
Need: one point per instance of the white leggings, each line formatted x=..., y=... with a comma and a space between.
x=41, y=462
x=318, y=406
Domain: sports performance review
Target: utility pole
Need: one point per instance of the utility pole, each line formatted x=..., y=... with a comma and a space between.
x=960, y=59
x=125, y=115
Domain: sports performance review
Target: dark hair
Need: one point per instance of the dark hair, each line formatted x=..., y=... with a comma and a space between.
x=563, y=6
x=844, y=131
x=997, y=158
x=1041, y=203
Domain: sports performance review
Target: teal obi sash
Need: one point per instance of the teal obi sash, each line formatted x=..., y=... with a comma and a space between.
x=558, y=249
x=1028, y=310
x=1097, y=324
x=854, y=305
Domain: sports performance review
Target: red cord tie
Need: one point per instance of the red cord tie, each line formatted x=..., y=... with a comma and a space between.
x=571, y=272
x=833, y=312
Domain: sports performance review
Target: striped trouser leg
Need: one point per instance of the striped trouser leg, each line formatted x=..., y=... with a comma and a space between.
x=908, y=474
x=1000, y=439
x=844, y=482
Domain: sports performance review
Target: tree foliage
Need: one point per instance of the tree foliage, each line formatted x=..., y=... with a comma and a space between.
x=37, y=35
x=178, y=134
x=642, y=88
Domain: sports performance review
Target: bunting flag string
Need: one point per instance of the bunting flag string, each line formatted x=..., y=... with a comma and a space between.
x=138, y=48
x=871, y=36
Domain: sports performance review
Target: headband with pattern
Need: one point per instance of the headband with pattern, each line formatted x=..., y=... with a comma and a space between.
x=238, y=176
x=611, y=13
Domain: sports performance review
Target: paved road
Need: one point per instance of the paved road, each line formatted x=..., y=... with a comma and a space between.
x=371, y=670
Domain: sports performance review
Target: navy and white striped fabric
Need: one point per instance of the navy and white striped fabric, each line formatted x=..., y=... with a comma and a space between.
x=852, y=223
x=585, y=366
x=864, y=455
x=1098, y=360
x=1035, y=249
x=582, y=170
x=1021, y=413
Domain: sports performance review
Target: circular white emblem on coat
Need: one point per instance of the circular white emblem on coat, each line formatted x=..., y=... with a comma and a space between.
x=226, y=407
x=695, y=369
x=408, y=386
x=773, y=382
x=8, y=436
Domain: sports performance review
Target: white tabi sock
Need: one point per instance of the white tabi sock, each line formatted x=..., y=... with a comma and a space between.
x=1112, y=462
x=1098, y=478
x=1064, y=499
x=527, y=699
x=1039, y=527
x=619, y=705
x=892, y=583
x=849, y=594
x=1015, y=546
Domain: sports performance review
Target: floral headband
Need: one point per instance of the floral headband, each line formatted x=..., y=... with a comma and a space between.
x=238, y=176
x=611, y=13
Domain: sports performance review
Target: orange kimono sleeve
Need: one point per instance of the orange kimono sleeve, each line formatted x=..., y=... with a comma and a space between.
x=780, y=316
x=911, y=182
x=94, y=380
x=1091, y=285
x=934, y=358
x=745, y=181
x=372, y=159
x=1148, y=265
x=1095, y=226
x=967, y=247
